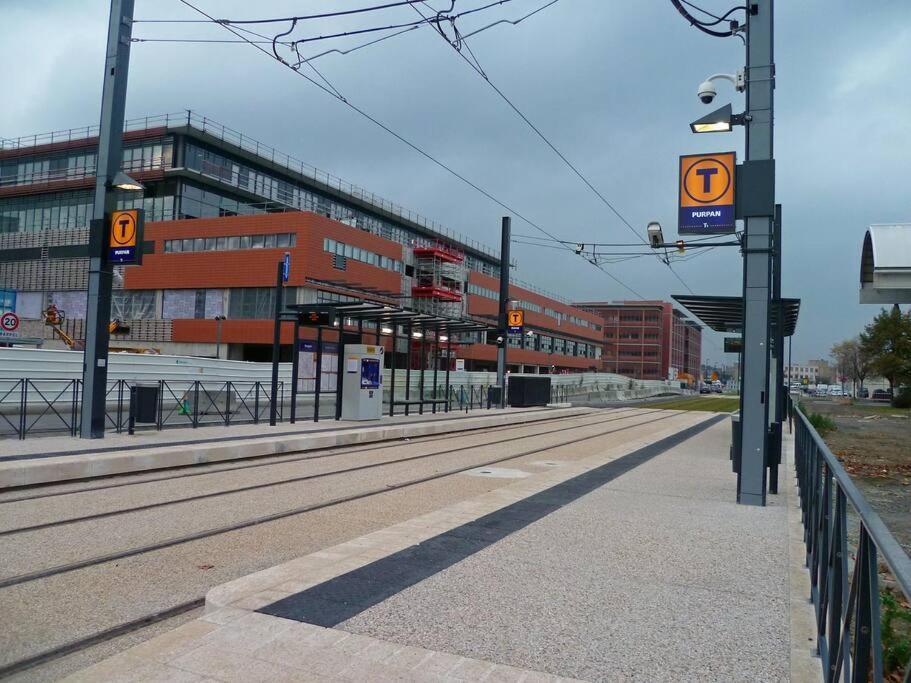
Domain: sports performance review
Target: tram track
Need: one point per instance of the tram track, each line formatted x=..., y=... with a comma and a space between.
x=289, y=480
x=184, y=609
x=313, y=454
x=332, y=502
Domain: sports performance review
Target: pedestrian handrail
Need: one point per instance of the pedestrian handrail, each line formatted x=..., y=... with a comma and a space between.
x=846, y=599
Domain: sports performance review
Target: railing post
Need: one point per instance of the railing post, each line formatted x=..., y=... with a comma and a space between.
x=256, y=405
x=160, y=423
x=23, y=407
x=195, y=418
x=229, y=392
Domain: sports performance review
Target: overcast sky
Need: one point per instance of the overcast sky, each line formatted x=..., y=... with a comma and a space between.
x=611, y=83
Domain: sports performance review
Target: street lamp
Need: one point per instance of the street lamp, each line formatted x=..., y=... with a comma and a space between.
x=721, y=120
x=122, y=181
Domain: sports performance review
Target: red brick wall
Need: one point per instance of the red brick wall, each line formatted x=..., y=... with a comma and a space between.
x=256, y=267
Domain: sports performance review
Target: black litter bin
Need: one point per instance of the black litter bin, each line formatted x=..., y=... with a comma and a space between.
x=525, y=392
x=144, y=403
x=493, y=396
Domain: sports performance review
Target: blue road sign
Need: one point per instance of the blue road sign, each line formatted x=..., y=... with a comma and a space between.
x=286, y=267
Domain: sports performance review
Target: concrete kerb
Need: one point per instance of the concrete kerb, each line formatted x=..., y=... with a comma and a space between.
x=92, y=465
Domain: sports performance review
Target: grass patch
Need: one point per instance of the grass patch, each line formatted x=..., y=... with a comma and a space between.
x=727, y=404
x=896, y=632
x=821, y=423
x=883, y=410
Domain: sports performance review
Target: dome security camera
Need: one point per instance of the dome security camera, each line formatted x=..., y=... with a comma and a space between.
x=707, y=92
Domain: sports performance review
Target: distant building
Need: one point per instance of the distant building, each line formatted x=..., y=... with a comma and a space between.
x=797, y=373
x=221, y=210
x=648, y=339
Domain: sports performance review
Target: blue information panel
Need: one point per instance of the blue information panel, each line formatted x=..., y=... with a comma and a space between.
x=370, y=373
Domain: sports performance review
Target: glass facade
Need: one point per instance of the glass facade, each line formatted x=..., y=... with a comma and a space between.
x=256, y=303
x=233, y=242
x=75, y=164
x=362, y=255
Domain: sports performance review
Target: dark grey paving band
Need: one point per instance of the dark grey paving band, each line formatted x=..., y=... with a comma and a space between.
x=337, y=600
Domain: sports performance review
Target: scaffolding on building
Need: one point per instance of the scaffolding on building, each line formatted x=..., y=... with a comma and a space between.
x=439, y=274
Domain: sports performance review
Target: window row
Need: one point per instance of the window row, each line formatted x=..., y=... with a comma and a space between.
x=527, y=305
x=534, y=341
x=146, y=155
x=281, y=240
x=228, y=171
x=483, y=291
x=362, y=255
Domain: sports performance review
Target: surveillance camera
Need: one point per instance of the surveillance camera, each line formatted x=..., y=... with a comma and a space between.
x=707, y=92
x=655, y=235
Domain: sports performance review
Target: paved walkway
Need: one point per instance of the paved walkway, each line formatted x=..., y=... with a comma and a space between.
x=634, y=564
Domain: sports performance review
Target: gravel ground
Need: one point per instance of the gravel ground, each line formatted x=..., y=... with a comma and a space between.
x=649, y=577
x=874, y=443
x=47, y=612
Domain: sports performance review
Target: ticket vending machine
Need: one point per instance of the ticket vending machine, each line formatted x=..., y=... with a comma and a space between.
x=362, y=383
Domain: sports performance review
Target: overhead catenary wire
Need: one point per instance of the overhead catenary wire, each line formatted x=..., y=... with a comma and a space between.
x=476, y=66
x=405, y=140
x=302, y=17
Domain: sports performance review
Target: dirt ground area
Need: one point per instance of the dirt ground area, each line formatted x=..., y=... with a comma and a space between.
x=874, y=444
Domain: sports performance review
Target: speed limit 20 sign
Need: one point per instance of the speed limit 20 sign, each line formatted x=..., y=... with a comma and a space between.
x=9, y=325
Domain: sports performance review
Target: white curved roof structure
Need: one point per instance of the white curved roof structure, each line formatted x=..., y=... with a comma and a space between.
x=885, y=264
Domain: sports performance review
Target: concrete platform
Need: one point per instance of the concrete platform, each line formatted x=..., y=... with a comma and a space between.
x=633, y=564
x=56, y=459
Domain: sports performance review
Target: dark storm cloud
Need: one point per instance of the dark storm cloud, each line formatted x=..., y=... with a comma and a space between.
x=611, y=83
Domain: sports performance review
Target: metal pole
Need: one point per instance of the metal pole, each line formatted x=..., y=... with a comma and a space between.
x=448, y=365
x=435, y=356
x=423, y=361
x=504, y=302
x=276, y=344
x=776, y=390
x=751, y=480
x=395, y=329
x=295, y=357
x=408, y=333
x=218, y=321
x=319, y=371
x=110, y=157
x=791, y=404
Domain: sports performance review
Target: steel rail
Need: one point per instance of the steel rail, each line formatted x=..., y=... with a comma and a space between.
x=215, y=531
x=80, y=644
x=291, y=480
x=187, y=471
x=156, y=617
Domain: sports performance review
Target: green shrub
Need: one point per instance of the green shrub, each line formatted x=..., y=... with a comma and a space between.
x=903, y=398
x=896, y=624
x=821, y=423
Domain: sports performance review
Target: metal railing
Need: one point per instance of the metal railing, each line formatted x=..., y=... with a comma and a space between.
x=468, y=397
x=51, y=406
x=845, y=593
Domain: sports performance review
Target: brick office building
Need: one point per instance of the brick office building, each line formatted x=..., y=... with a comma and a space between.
x=221, y=210
x=648, y=339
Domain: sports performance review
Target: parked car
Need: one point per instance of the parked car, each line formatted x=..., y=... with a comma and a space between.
x=835, y=391
x=705, y=389
x=882, y=395
x=717, y=388
x=821, y=390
